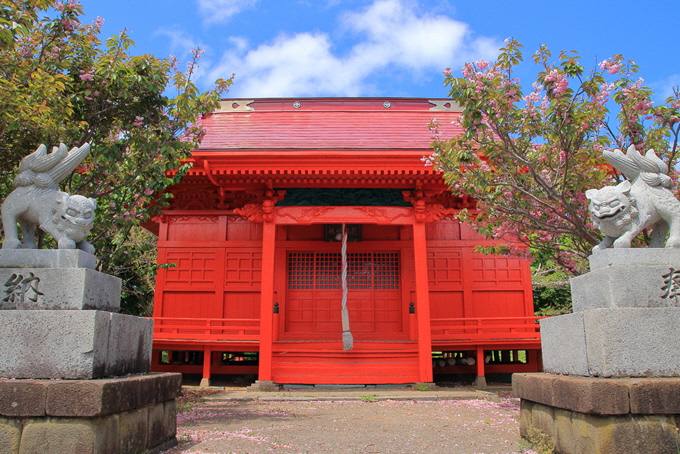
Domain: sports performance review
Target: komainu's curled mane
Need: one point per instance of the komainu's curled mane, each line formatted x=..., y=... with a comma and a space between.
x=644, y=200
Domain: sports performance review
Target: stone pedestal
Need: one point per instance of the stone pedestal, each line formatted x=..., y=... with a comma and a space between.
x=626, y=320
x=131, y=414
x=600, y=415
x=59, y=289
x=55, y=280
x=621, y=342
x=600, y=360
x=48, y=258
x=639, y=277
x=59, y=321
x=73, y=344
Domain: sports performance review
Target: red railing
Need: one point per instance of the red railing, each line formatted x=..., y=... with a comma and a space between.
x=443, y=329
x=175, y=328
x=486, y=329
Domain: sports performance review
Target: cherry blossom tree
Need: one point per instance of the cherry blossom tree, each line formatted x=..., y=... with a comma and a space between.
x=59, y=82
x=527, y=156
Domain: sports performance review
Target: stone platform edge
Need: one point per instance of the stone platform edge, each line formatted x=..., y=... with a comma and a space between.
x=47, y=258
x=600, y=396
x=20, y=398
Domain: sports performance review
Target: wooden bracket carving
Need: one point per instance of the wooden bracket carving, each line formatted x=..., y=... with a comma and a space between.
x=261, y=212
x=429, y=207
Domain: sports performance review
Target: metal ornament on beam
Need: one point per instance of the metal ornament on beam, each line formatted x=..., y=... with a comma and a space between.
x=334, y=232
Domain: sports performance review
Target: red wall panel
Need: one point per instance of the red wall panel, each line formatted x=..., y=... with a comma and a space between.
x=239, y=229
x=242, y=268
x=190, y=304
x=445, y=268
x=195, y=228
x=445, y=229
x=241, y=305
x=497, y=304
x=447, y=304
x=194, y=269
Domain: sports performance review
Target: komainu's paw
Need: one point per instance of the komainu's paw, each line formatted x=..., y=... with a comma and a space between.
x=86, y=247
x=11, y=244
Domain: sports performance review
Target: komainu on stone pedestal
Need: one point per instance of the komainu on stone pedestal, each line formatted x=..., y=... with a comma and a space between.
x=612, y=368
x=36, y=203
x=74, y=373
x=621, y=212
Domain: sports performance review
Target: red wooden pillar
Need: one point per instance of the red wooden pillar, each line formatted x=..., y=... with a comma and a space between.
x=534, y=358
x=422, y=303
x=155, y=358
x=160, y=274
x=412, y=320
x=267, y=300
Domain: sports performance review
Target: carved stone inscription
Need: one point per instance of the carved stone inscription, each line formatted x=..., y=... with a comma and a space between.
x=671, y=284
x=19, y=288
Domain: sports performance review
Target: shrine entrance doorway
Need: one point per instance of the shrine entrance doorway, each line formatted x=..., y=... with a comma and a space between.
x=309, y=347
x=314, y=296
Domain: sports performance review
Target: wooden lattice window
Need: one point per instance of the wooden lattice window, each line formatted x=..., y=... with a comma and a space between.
x=386, y=270
x=300, y=270
x=323, y=270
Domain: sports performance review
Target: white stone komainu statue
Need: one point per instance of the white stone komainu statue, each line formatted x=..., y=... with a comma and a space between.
x=36, y=202
x=644, y=200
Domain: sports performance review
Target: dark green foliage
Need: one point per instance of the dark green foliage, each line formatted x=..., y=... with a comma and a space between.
x=552, y=299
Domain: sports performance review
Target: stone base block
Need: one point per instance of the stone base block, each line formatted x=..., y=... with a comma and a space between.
x=636, y=277
x=621, y=342
x=125, y=415
x=600, y=415
x=46, y=258
x=73, y=344
x=480, y=382
x=264, y=385
x=59, y=288
x=637, y=256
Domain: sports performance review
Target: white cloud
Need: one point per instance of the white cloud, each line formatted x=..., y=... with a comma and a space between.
x=215, y=11
x=299, y=65
x=181, y=43
x=395, y=34
x=664, y=89
x=389, y=35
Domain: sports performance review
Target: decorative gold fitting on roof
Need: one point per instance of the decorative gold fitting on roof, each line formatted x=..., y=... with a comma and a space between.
x=239, y=105
x=443, y=104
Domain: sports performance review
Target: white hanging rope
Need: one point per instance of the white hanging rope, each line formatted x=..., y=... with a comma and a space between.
x=347, y=340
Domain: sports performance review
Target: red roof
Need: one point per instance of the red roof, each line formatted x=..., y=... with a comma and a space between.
x=322, y=142
x=327, y=124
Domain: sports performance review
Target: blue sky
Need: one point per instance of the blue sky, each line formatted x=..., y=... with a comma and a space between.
x=295, y=48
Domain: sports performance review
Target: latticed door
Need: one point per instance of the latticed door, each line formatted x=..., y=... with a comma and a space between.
x=314, y=296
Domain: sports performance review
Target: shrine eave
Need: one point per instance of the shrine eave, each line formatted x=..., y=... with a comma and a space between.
x=379, y=169
x=311, y=161
x=318, y=180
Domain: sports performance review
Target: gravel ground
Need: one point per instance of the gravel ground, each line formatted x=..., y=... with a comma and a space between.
x=350, y=426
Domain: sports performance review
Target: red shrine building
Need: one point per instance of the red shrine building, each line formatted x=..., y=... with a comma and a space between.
x=263, y=269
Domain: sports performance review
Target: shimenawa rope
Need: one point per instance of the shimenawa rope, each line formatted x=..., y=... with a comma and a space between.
x=347, y=340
